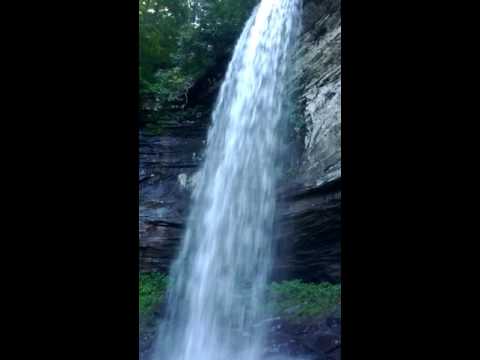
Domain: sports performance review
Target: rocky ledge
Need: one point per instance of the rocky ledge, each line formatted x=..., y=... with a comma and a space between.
x=312, y=339
x=316, y=339
x=167, y=164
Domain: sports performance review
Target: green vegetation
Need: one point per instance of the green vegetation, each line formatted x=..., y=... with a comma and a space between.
x=297, y=300
x=180, y=41
x=294, y=299
x=152, y=290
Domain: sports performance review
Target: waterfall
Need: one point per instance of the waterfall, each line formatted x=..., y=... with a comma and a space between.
x=216, y=298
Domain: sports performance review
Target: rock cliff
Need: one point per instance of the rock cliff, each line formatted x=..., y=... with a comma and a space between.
x=310, y=215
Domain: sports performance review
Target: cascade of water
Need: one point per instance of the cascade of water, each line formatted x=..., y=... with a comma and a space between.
x=218, y=280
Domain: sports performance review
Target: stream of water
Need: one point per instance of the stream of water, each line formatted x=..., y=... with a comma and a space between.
x=217, y=296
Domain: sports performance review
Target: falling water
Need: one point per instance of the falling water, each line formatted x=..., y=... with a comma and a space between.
x=216, y=299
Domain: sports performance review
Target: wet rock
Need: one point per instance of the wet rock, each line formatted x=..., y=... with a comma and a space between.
x=322, y=343
x=309, y=214
x=318, y=75
x=309, y=232
x=166, y=176
x=307, y=339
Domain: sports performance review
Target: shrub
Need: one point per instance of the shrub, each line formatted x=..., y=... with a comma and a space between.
x=151, y=291
x=296, y=299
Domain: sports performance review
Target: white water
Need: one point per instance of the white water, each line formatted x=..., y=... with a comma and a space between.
x=216, y=299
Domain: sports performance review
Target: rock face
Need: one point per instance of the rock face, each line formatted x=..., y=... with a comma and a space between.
x=317, y=339
x=309, y=232
x=318, y=71
x=310, y=217
x=309, y=212
x=167, y=163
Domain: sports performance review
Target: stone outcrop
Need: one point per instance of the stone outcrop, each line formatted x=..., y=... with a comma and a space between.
x=167, y=163
x=309, y=232
x=308, y=216
x=318, y=70
x=319, y=338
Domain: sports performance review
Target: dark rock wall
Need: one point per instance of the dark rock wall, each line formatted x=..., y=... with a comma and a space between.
x=308, y=216
x=167, y=163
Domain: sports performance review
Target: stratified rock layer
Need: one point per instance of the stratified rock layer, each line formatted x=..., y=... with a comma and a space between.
x=310, y=215
x=167, y=163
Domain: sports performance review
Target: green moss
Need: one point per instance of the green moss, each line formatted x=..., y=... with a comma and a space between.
x=297, y=300
x=151, y=291
x=294, y=300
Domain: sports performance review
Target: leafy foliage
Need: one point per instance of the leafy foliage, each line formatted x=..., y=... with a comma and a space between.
x=152, y=289
x=298, y=300
x=180, y=40
x=294, y=299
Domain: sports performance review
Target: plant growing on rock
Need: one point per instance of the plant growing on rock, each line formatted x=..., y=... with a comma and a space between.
x=297, y=300
x=152, y=287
